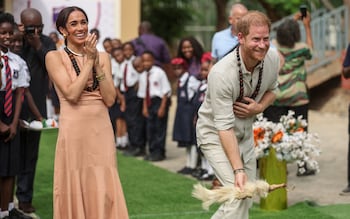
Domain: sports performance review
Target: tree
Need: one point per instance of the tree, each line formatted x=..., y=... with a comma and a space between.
x=269, y=7
x=221, y=16
x=168, y=17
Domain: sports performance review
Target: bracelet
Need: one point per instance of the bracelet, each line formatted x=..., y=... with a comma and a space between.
x=92, y=56
x=100, y=77
x=240, y=170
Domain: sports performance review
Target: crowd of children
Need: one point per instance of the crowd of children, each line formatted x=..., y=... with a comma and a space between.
x=140, y=113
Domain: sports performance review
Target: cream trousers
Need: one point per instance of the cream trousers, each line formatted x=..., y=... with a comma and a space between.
x=238, y=209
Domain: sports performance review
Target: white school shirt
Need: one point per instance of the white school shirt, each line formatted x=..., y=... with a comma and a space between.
x=116, y=73
x=132, y=76
x=141, y=92
x=19, y=71
x=192, y=86
x=159, y=84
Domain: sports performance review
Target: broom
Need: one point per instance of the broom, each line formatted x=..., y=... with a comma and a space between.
x=230, y=193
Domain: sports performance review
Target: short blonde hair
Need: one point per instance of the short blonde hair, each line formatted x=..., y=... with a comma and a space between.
x=252, y=18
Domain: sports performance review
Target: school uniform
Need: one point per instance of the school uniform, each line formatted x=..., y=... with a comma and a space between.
x=183, y=131
x=205, y=172
x=200, y=95
x=137, y=130
x=114, y=110
x=156, y=128
x=133, y=111
x=10, y=151
x=198, y=100
x=128, y=77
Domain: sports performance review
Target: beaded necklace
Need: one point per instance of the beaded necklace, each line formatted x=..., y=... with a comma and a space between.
x=77, y=70
x=241, y=88
x=74, y=53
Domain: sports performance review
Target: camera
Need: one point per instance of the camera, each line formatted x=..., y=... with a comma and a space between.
x=30, y=30
x=303, y=10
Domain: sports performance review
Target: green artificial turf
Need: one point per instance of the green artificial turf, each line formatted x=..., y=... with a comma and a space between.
x=155, y=193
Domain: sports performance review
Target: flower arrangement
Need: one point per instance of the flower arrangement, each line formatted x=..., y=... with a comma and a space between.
x=289, y=139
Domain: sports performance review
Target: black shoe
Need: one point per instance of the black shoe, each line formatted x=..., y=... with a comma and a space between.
x=123, y=148
x=147, y=157
x=207, y=176
x=139, y=152
x=136, y=152
x=16, y=214
x=26, y=207
x=129, y=151
x=198, y=172
x=156, y=157
x=307, y=173
x=345, y=192
x=186, y=170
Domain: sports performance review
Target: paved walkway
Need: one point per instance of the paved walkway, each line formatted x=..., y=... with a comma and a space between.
x=324, y=187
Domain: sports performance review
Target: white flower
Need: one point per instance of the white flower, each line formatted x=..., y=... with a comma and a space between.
x=289, y=140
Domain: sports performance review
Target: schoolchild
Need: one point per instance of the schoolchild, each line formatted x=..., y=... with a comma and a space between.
x=129, y=89
x=117, y=110
x=155, y=107
x=14, y=75
x=137, y=130
x=183, y=131
x=205, y=172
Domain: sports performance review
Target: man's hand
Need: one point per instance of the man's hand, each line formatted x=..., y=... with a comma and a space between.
x=34, y=39
x=247, y=108
x=240, y=180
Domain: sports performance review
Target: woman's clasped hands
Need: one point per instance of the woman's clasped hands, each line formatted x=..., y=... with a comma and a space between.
x=90, y=48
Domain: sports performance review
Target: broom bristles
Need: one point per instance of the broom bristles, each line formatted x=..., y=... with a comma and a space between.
x=230, y=193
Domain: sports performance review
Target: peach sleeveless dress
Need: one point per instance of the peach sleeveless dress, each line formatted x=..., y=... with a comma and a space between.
x=86, y=180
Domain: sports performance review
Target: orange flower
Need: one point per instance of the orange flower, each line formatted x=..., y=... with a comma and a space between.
x=277, y=137
x=300, y=129
x=258, y=135
x=296, y=129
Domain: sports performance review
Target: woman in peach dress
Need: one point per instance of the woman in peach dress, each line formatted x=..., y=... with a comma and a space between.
x=86, y=181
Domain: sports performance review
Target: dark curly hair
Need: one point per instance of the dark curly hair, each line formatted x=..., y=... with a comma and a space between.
x=197, y=48
x=288, y=33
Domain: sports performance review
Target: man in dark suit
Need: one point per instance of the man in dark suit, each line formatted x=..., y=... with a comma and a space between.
x=35, y=47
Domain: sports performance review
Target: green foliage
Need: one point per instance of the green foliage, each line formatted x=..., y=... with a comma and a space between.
x=284, y=7
x=168, y=17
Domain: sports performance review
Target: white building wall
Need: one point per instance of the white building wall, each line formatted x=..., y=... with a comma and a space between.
x=103, y=14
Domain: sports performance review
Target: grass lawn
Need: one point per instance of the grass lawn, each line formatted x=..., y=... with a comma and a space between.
x=155, y=193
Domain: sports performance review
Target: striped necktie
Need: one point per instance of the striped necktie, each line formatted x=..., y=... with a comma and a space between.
x=8, y=88
x=125, y=76
x=148, y=95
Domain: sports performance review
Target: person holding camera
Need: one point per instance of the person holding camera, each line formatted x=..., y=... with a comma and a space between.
x=35, y=47
x=293, y=90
